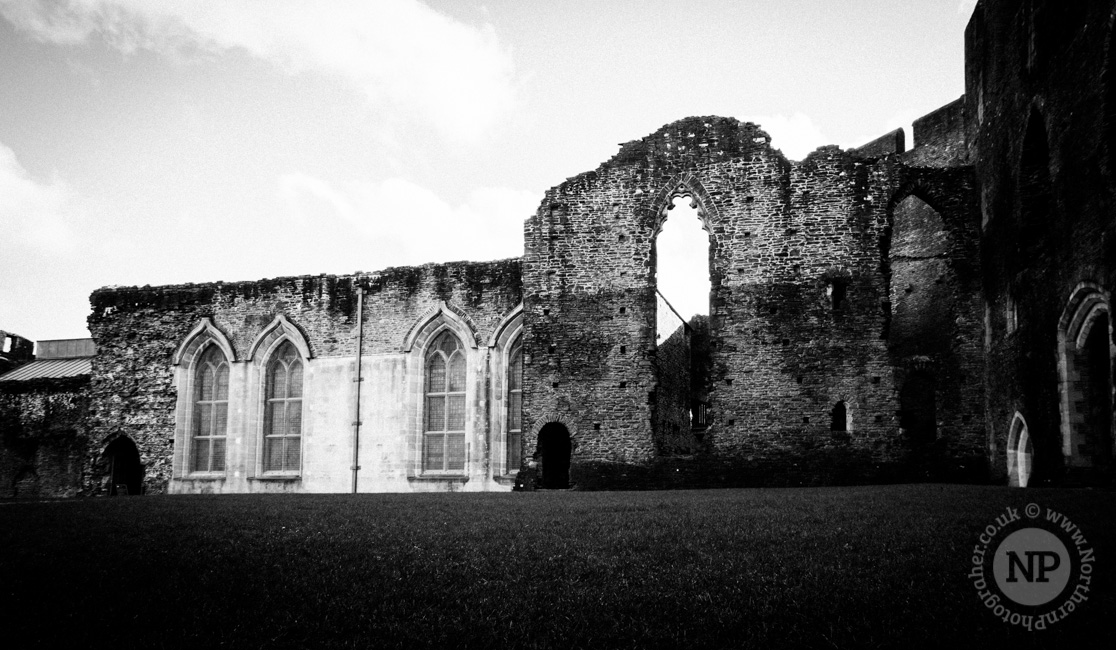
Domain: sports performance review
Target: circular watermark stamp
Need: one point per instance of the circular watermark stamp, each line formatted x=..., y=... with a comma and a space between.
x=1032, y=570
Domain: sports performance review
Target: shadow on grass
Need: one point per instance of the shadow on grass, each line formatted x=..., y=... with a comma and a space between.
x=877, y=566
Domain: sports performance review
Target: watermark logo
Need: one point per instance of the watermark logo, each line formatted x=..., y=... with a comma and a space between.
x=1032, y=570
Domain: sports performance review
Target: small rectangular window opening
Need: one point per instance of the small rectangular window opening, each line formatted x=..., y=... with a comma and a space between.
x=837, y=292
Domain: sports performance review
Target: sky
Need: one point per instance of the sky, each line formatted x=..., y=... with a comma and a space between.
x=153, y=142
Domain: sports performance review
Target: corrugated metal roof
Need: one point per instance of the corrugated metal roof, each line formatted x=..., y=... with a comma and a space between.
x=50, y=369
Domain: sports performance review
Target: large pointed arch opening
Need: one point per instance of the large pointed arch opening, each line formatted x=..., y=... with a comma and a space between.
x=682, y=279
x=681, y=258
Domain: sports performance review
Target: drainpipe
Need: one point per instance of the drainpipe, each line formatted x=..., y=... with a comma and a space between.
x=356, y=409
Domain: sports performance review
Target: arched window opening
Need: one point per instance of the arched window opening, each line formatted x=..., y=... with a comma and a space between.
x=921, y=294
x=210, y=412
x=1035, y=204
x=681, y=268
x=918, y=409
x=444, y=431
x=1020, y=453
x=283, y=411
x=515, y=408
x=838, y=418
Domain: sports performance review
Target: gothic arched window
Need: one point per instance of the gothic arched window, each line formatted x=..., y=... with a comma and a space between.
x=210, y=413
x=443, y=440
x=282, y=450
x=515, y=408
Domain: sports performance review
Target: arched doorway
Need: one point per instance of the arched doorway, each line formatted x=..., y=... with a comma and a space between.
x=123, y=466
x=1086, y=357
x=1020, y=453
x=554, y=455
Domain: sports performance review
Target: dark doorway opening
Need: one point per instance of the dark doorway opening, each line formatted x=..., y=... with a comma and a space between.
x=918, y=411
x=125, y=470
x=554, y=452
x=838, y=418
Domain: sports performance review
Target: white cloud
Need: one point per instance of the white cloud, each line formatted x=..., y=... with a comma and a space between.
x=398, y=52
x=796, y=135
x=34, y=213
x=405, y=223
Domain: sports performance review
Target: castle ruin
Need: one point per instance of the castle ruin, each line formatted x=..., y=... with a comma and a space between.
x=876, y=314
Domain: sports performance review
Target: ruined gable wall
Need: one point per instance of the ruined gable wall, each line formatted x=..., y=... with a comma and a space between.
x=137, y=331
x=781, y=234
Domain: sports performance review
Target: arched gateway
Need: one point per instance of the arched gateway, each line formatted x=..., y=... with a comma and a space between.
x=122, y=465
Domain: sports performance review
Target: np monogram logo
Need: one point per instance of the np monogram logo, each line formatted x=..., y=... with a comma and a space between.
x=1032, y=566
x=1033, y=563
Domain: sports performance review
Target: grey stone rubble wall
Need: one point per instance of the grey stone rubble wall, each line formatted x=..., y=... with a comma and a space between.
x=43, y=437
x=781, y=234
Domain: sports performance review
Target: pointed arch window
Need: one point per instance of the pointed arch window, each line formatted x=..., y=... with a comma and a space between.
x=283, y=411
x=211, y=412
x=515, y=407
x=443, y=444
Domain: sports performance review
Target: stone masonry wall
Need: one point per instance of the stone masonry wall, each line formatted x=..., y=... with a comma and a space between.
x=43, y=437
x=1039, y=82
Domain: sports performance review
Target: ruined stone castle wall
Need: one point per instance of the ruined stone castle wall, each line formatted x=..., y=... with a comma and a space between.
x=784, y=237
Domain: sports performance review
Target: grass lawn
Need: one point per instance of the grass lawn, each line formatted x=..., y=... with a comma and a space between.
x=849, y=567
